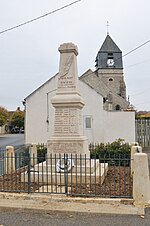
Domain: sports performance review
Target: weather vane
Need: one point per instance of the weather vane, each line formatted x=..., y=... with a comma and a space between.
x=107, y=27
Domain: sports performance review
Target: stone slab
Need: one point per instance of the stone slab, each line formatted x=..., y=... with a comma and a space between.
x=44, y=177
x=41, y=202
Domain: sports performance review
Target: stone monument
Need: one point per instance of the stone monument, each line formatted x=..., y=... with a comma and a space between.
x=67, y=143
x=68, y=131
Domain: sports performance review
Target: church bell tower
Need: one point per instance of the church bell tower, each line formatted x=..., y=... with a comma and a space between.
x=109, y=67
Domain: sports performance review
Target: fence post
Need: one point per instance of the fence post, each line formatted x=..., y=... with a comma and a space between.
x=134, y=149
x=66, y=173
x=29, y=174
x=9, y=160
x=141, y=182
x=33, y=154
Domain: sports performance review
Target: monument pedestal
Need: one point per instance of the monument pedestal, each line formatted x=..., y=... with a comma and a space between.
x=68, y=145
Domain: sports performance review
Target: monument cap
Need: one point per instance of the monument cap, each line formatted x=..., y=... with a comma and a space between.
x=68, y=48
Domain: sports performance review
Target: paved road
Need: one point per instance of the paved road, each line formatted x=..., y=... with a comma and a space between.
x=11, y=139
x=27, y=218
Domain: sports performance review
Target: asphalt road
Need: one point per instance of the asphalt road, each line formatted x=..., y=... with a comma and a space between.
x=27, y=218
x=11, y=139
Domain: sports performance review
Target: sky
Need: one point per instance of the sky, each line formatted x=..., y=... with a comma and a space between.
x=29, y=54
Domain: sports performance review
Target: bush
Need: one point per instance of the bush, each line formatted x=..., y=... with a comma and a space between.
x=3, y=116
x=117, y=153
x=41, y=152
x=22, y=155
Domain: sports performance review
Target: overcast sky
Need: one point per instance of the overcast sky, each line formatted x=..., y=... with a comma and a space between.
x=29, y=55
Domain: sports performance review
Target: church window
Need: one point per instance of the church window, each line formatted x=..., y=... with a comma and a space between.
x=110, y=79
x=110, y=56
x=110, y=60
x=118, y=108
x=88, y=122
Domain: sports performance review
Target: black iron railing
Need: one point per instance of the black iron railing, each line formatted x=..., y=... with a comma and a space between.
x=70, y=174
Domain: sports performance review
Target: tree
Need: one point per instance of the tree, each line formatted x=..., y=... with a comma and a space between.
x=17, y=119
x=3, y=116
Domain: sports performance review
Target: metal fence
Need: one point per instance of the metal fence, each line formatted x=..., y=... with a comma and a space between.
x=142, y=132
x=74, y=175
x=23, y=149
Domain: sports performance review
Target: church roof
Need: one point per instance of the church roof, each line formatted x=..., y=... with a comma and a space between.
x=109, y=45
x=92, y=80
x=109, y=50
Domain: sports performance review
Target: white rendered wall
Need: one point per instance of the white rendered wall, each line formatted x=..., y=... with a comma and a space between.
x=119, y=124
x=38, y=110
x=93, y=108
x=106, y=126
x=37, y=130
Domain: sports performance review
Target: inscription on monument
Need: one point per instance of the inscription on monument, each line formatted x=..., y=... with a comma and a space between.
x=67, y=120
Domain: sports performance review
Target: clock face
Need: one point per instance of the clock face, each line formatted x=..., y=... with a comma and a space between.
x=110, y=62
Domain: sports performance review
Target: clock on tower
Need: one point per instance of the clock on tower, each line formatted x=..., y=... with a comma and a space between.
x=110, y=62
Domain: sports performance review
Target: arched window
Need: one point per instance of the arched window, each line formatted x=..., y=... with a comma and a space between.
x=110, y=79
x=118, y=107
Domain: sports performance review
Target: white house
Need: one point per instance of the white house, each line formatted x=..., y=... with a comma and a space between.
x=105, y=115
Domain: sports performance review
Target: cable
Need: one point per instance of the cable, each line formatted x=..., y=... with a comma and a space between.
x=39, y=17
x=142, y=62
x=136, y=48
x=133, y=49
x=144, y=91
x=143, y=103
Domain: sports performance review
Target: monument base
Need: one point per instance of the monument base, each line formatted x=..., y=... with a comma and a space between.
x=86, y=172
x=68, y=145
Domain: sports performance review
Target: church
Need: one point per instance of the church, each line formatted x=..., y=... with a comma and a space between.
x=108, y=77
x=106, y=115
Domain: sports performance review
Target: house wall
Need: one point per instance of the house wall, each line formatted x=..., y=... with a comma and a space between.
x=119, y=124
x=39, y=116
x=105, y=126
x=93, y=109
x=39, y=109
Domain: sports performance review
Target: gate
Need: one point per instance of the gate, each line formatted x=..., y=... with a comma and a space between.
x=142, y=132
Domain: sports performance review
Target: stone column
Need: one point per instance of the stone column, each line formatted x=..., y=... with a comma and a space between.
x=141, y=182
x=68, y=127
x=33, y=154
x=134, y=149
x=9, y=160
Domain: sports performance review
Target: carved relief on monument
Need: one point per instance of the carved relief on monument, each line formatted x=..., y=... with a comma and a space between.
x=66, y=78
